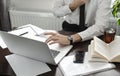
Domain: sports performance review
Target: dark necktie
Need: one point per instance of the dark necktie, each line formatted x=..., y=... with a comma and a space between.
x=82, y=15
x=82, y=26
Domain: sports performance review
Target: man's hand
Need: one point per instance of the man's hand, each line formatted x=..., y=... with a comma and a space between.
x=61, y=39
x=76, y=3
x=57, y=38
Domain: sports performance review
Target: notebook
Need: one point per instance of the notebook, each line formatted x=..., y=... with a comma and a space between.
x=69, y=68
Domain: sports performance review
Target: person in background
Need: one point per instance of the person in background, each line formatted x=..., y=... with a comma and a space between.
x=97, y=14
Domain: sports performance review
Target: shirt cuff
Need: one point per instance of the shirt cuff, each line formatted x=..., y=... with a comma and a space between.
x=87, y=34
x=83, y=36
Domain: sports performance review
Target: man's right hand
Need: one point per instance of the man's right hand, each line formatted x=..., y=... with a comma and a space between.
x=76, y=3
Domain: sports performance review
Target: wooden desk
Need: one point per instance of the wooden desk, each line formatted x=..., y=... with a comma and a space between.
x=6, y=70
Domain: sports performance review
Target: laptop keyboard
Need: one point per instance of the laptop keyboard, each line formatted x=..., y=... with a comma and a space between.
x=54, y=53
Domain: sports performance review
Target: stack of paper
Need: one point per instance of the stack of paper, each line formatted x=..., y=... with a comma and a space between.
x=69, y=68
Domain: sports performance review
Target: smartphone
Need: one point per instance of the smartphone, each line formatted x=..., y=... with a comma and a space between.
x=79, y=57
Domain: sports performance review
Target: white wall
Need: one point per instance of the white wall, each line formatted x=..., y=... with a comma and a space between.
x=32, y=5
x=24, y=12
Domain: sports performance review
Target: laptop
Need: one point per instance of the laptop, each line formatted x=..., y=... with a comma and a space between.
x=34, y=49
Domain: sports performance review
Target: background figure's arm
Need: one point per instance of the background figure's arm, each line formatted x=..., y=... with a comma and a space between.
x=76, y=3
x=62, y=8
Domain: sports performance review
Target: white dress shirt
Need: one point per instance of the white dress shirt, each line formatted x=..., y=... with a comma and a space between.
x=97, y=16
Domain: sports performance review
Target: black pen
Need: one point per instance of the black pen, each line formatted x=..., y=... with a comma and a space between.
x=23, y=33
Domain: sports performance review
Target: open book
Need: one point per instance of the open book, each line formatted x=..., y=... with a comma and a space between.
x=101, y=51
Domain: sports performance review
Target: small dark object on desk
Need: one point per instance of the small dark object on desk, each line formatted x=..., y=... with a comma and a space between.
x=23, y=33
x=79, y=56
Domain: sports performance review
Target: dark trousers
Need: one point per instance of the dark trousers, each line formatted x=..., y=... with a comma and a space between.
x=72, y=27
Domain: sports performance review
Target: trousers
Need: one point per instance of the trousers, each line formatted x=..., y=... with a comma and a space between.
x=72, y=27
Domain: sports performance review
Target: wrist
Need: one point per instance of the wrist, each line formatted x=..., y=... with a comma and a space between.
x=70, y=39
x=76, y=38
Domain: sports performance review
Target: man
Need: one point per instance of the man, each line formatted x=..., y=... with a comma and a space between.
x=97, y=17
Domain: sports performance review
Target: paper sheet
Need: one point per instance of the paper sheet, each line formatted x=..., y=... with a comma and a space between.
x=34, y=32
x=2, y=43
x=23, y=66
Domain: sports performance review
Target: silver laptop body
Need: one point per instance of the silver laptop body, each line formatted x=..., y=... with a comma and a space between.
x=31, y=48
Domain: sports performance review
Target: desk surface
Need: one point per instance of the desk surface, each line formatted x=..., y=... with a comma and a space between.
x=6, y=70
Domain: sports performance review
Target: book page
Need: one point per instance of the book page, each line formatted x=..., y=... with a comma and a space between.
x=102, y=48
x=94, y=53
x=115, y=47
x=116, y=59
x=98, y=57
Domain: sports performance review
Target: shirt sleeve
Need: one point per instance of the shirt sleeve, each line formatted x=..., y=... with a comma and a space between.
x=101, y=21
x=60, y=8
